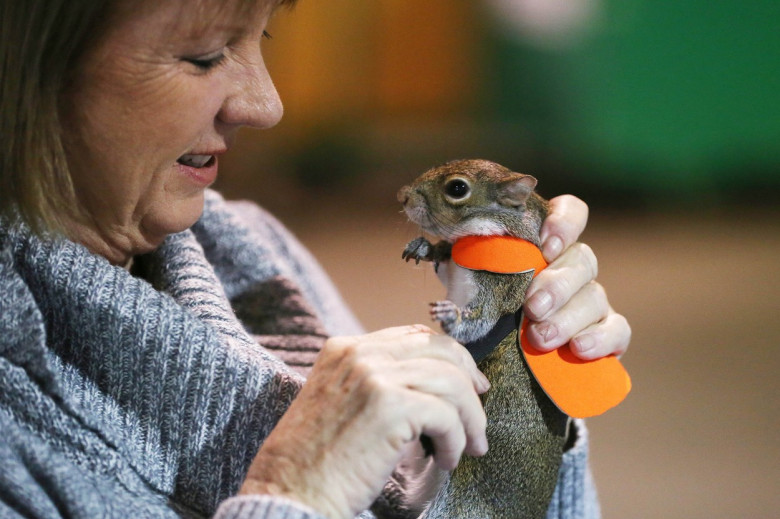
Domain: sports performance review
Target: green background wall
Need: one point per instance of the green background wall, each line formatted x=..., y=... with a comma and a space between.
x=661, y=99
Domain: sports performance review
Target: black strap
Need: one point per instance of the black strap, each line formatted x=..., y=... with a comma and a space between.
x=482, y=347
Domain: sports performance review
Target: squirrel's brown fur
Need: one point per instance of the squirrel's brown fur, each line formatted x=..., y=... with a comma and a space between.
x=526, y=432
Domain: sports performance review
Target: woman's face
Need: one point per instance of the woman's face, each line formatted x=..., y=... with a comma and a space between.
x=151, y=110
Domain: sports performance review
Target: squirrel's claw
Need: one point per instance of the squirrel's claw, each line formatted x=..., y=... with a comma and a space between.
x=418, y=249
x=445, y=313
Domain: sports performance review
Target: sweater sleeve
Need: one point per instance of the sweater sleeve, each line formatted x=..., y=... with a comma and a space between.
x=35, y=481
x=575, y=495
x=264, y=507
x=268, y=507
x=38, y=481
x=299, y=265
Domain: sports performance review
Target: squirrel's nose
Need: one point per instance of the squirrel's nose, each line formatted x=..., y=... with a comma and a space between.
x=403, y=195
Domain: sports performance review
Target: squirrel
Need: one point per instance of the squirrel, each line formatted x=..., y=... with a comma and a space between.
x=526, y=432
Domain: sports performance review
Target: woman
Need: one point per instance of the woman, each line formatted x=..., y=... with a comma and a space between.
x=135, y=301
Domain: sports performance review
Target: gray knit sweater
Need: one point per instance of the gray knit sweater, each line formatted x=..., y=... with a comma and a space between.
x=149, y=393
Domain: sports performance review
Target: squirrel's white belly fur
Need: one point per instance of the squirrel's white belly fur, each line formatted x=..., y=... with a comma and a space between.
x=459, y=281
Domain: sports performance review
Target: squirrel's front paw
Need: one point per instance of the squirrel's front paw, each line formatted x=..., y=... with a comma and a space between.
x=445, y=313
x=418, y=249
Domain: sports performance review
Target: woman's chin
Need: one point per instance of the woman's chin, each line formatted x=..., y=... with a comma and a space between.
x=173, y=217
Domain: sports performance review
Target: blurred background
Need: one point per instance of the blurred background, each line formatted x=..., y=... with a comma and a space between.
x=663, y=116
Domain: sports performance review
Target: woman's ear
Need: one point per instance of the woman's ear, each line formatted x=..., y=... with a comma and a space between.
x=515, y=192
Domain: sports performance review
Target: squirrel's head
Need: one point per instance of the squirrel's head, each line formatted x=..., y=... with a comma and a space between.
x=474, y=197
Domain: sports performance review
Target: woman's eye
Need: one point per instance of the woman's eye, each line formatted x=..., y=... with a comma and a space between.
x=206, y=62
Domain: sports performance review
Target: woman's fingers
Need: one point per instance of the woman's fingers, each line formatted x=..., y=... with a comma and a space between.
x=441, y=423
x=610, y=336
x=566, y=219
x=560, y=281
x=393, y=333
x=564, y=302
x=450, y=385
x=445, y=348
x=366, y=399
x=587, y=306
x=435, y=365
x=438, y=378
x=587, y=322
x=419, y=341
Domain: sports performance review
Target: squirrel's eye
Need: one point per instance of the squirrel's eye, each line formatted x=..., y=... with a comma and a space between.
x=457, y=188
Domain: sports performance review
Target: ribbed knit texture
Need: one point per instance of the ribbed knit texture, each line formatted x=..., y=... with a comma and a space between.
x=575, y=495
x=248, y=507
x=148, y=391
x=122, y=396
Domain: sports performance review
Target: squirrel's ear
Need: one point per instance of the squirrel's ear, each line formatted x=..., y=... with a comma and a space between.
x=515, y=192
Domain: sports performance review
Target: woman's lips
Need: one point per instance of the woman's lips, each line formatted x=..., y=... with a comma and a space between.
x=196, y=161
x=200, y=168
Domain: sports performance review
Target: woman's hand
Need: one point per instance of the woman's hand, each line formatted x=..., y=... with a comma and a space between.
x=564, y=301
x=366, y=398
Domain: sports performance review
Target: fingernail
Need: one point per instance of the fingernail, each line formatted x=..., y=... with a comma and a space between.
x=546, y=331
x=540, y=303
x=584, y=343
x=483, y=382
x=482, y=446
x=552, y=247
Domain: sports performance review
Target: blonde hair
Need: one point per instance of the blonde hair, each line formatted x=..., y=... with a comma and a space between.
x=41, y=43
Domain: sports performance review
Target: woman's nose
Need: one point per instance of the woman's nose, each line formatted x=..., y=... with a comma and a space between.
x=252, y=99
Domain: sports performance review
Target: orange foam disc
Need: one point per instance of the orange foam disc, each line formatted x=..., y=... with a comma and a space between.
x=500, y=254
x=580, y=388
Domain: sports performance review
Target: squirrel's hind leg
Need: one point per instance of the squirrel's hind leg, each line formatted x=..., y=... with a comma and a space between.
x=476, y=300
x=463, y=324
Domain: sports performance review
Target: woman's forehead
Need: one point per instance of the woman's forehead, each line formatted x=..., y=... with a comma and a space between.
x=235, y=9
x=199, y=15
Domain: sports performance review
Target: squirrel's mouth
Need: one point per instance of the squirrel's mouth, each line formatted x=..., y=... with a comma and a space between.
x=417, y=214
x=420, y=215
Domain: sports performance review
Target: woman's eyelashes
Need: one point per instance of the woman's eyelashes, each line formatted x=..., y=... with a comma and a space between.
x=207, y=62
x=210, y=61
